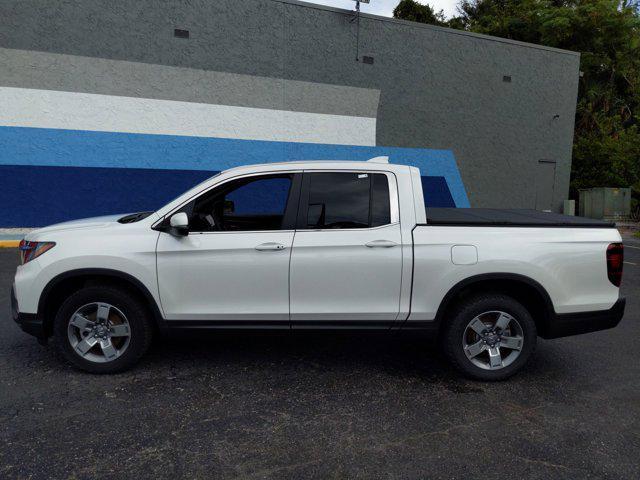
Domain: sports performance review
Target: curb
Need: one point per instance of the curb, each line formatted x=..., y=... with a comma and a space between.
x=9, y=243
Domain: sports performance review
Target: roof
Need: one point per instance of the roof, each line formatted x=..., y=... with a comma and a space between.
x=445, y=30
x=371, y=164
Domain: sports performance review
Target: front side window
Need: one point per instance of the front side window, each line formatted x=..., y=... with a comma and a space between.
x=347, y=200
x=246, y=204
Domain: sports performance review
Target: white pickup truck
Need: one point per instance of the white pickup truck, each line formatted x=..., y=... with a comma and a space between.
x=319, y=245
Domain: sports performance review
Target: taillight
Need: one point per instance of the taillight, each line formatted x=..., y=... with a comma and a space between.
x=615, y=257
x=31, y=250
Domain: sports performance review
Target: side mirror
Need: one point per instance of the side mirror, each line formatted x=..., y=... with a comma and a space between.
x=179, y=223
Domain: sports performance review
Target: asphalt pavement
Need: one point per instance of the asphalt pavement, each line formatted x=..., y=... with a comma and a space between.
x=322, y=406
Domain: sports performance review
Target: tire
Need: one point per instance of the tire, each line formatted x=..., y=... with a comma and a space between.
x=473, y=332
x=115, y=336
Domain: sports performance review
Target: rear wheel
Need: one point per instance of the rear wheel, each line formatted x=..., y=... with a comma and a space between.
x=489, y=337
x=102, y=329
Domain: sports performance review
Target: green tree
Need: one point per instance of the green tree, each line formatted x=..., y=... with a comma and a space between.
x=514, y=19
x=417, y=12
x=606, y=147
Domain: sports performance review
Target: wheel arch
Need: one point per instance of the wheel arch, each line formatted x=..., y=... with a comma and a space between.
x=62, y=285
x=530, y=293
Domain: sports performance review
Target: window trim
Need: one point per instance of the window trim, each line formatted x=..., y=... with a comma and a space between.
x=290, y=212
x=394, y=213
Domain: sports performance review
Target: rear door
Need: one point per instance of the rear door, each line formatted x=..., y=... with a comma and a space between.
x=346, y=259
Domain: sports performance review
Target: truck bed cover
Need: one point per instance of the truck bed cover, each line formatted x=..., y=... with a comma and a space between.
x=495, y=217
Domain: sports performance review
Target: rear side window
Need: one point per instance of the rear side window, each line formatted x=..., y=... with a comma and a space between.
x=380, y=204
x=347, y=200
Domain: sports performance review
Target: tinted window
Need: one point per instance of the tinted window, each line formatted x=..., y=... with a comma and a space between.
x=266, y=196
x=254, y=203
x=345, y=200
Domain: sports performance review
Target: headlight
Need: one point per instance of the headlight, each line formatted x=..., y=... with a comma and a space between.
x=31, y=250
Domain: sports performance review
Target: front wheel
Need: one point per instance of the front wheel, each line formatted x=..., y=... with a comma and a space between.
x=102, y=329
x=489, y=337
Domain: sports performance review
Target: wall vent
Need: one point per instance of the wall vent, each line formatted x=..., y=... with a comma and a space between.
x=179, y=33
x=506, y=78
x=367, y=60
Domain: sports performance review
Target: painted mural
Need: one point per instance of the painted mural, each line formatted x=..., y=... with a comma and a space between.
x=73, y=144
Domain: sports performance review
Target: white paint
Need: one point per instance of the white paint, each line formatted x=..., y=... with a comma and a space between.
x=569, y=263
x=23, y=107
x=464, y=255
x=335, y=276
x=224, y=276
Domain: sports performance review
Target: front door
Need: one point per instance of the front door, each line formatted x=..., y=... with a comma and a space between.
x=347, y=257
x=234, y=264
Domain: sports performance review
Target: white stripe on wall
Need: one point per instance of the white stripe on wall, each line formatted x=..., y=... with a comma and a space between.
x=23, y=107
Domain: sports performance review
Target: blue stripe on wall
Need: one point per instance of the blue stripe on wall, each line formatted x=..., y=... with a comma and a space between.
x=38, y=196
x=44, y=175
x=74, y=148
x=436, y=193
x=34, y=196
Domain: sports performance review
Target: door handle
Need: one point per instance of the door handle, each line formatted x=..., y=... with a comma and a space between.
x=269, y=246
x=381, y=244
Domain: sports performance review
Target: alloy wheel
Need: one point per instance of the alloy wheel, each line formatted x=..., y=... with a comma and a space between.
x=99, y=332
x=493, y=340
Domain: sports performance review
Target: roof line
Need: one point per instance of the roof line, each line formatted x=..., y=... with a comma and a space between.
x=449, y=31
x=344, y=162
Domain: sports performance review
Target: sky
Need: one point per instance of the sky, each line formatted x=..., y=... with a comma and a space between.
x=385, y=7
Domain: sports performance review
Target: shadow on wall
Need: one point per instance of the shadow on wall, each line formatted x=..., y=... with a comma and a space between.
x=53, y=175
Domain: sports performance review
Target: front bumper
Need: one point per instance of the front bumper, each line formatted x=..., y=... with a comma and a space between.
x=564, y=325
x=29, y=322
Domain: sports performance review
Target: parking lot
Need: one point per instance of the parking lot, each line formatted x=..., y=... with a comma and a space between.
x=323, y=406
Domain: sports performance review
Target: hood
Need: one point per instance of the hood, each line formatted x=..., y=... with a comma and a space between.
x=93, y=222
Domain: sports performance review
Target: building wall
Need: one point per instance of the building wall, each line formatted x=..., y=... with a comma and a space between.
x=104, y=110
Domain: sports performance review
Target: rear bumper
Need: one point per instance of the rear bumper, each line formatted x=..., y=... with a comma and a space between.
x=567, y=324
x=29, y=322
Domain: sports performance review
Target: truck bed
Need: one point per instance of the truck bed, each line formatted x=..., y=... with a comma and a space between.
x=495, y=217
